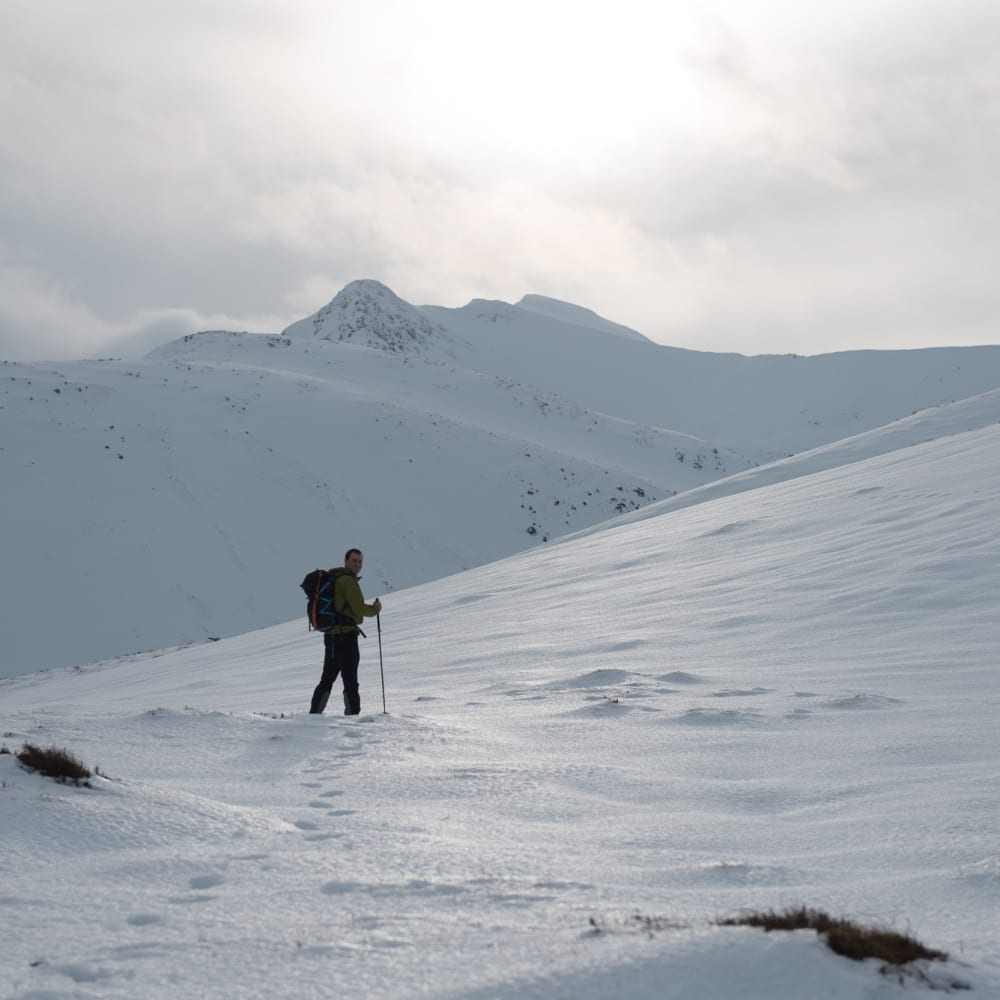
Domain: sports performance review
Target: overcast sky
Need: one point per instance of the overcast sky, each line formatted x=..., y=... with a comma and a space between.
x=755, y=176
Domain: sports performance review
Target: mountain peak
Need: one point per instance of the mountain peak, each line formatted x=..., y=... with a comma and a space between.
x=371, y=314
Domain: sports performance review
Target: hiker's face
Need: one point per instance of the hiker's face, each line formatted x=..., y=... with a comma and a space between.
x=354, y=561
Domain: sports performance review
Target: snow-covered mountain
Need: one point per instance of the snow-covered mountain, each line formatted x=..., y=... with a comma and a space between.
x=186, y=495
x=368, y=314
x=593, y=751
x=764, y=407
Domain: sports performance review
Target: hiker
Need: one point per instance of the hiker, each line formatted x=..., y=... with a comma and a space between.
x=341, y=654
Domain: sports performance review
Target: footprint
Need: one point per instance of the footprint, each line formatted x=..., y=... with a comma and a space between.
x=862, y=701
x=593, y=678
x=727, y=529
x=337, y=888
x=205, y=881
x=144, y=919
x=624, y=646
x=80, y=973
x=717, y=717
x=681, y=677
x=323, y=836
x=331, y=794
x=305, y=824
x=472, y=598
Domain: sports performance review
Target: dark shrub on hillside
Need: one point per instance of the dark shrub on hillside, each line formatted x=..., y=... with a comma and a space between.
x=843, y=936
x=53, y=763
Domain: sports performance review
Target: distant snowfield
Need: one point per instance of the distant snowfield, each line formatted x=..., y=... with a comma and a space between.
x=592, y=750
x=185, y=496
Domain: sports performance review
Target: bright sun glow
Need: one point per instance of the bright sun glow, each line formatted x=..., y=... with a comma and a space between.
x=547, y=81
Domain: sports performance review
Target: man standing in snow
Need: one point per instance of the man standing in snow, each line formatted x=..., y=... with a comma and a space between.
x=341, y=654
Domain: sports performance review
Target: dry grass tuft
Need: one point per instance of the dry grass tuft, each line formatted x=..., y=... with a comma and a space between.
x=844, y=937
x=54, y=763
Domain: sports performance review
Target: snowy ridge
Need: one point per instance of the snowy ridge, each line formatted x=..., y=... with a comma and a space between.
x=578, y=315
x=216, y=344
x=763, y=408
x=593, y=750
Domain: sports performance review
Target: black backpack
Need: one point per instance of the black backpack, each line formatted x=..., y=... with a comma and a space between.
x=318, y=586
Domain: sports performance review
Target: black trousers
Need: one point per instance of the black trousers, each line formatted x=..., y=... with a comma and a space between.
x=340, y=656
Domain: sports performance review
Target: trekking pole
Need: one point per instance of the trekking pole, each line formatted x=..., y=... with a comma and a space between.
x=381, y=670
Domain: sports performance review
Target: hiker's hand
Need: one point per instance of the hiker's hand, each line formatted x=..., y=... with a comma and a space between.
x=377, y=605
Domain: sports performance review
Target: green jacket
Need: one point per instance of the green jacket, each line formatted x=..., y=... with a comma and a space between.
x=348, y=600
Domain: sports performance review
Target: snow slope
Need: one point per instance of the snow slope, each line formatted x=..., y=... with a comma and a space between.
x=927, y=425
x=185, y=496
x=764, y=408
x=593, y=749
x=194, y=491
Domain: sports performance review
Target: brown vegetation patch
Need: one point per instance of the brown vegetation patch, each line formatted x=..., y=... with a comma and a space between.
x=54, y=763
x=845, y=937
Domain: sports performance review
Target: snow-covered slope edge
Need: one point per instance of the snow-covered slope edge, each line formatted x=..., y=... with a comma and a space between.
x=935, y=424
x=783, y=696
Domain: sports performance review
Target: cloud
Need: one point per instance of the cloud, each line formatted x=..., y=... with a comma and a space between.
x=745, y=177
x=851, y=202
x=39, y=320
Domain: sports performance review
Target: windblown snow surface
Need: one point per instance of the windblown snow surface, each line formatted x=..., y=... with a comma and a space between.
x=592, y=751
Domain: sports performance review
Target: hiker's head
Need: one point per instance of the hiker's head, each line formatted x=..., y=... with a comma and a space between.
x=353, y=560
